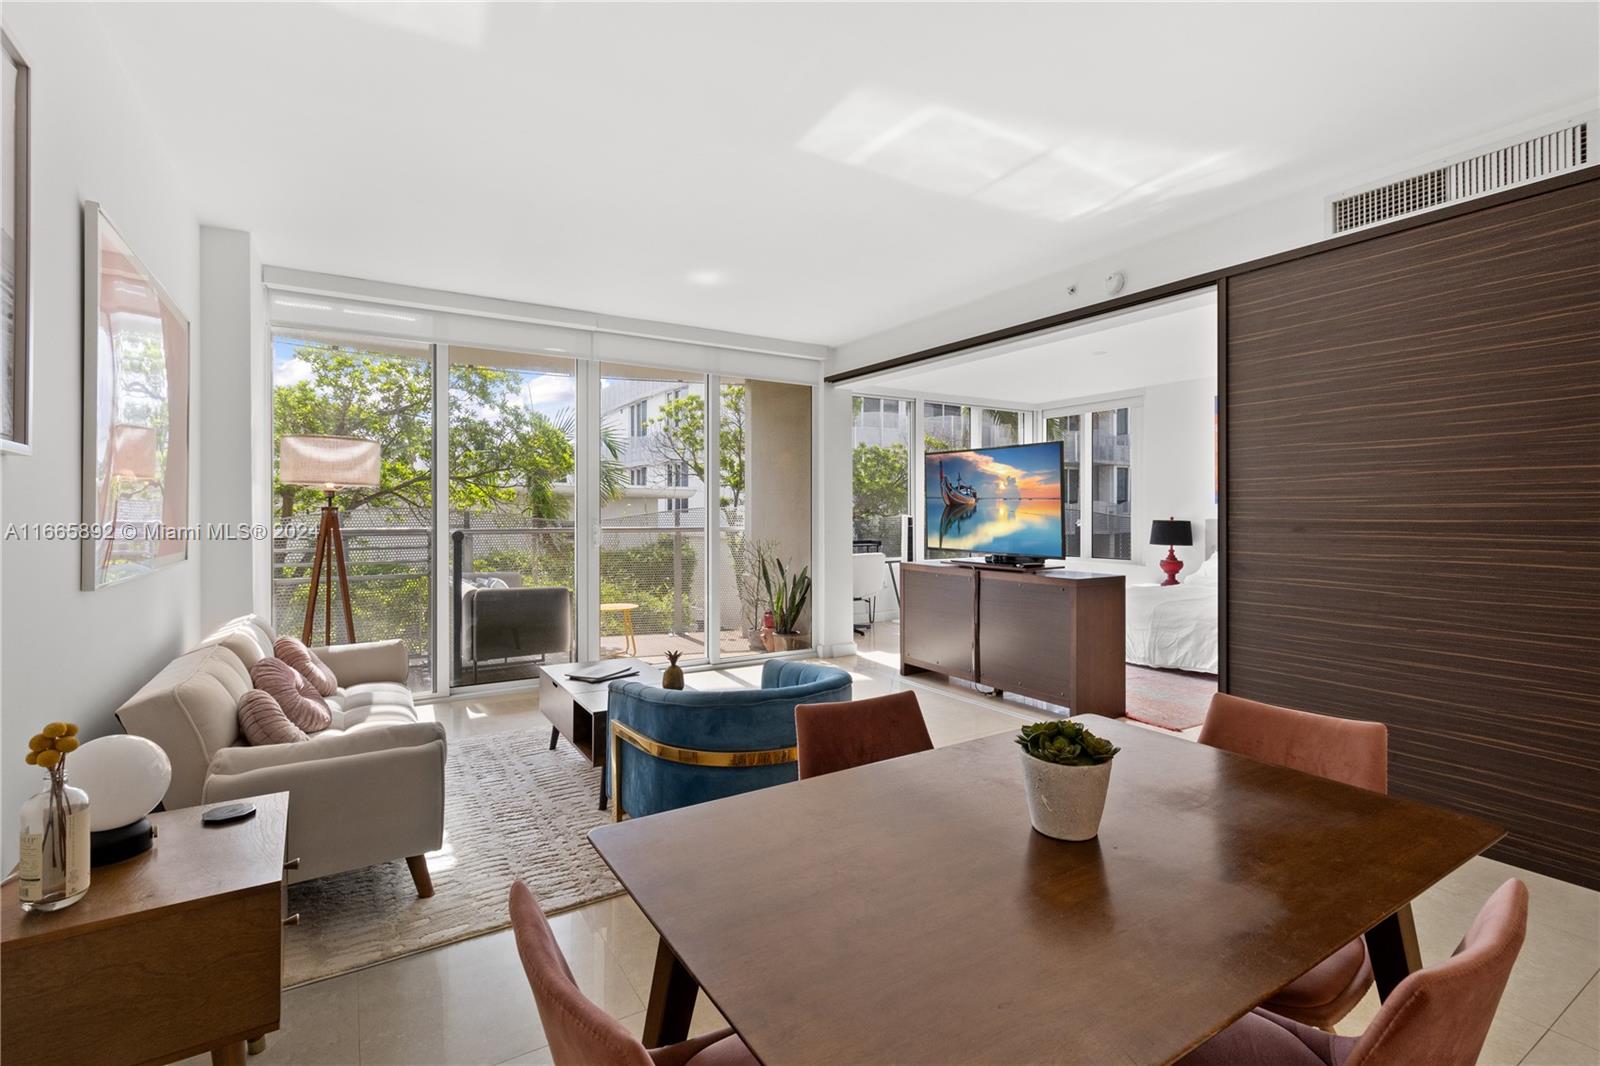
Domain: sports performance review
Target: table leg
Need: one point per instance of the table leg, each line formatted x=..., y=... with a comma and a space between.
x=630, y=644
x=555, y=735
x=1392, y=947
x=672, y=995
x=231, y=1054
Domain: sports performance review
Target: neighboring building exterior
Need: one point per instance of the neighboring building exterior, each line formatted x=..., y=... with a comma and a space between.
x=627, y=407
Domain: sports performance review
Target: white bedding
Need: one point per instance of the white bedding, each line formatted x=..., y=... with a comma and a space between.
x=1175, y=627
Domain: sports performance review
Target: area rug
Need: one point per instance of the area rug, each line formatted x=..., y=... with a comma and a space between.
x=513, y=809
x=1168, y=699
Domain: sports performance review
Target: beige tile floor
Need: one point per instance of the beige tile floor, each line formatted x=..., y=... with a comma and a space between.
x=469, y=1003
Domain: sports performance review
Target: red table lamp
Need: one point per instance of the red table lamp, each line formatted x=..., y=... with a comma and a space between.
x=1171, y=532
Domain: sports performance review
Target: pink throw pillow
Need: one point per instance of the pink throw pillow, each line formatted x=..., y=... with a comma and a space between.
x=262, y=721
x=303, y=659
x=295, y=694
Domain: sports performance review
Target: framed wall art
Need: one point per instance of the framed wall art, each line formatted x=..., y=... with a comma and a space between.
x=135, y=413
x=16, y=330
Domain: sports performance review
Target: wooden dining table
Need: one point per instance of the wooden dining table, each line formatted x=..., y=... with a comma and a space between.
x=906, y=911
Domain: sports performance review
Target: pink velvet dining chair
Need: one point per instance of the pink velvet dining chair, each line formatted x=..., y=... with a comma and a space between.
x=1438, y=1016
x=580, y=1033
x=1352, y=752
x=837, y=736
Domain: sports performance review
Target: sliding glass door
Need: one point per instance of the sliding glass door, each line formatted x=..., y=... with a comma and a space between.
x=329, y=385
x=764, y=515
x=512, y=513
x=653, y=513
x=534, y=506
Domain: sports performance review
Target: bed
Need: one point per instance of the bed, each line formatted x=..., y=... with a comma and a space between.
x=1175, y=627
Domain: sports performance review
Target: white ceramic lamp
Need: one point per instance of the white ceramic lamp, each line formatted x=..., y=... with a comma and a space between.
x=125, y=778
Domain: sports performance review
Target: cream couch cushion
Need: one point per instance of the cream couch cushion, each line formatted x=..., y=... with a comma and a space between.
x=191, y=709
x=248, y=637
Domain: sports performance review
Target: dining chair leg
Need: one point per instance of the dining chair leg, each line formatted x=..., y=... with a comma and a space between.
x=1392, y=947
x=672, y=996
x=555, y=735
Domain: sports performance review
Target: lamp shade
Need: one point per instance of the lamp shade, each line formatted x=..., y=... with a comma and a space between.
x=328, y=462
x=1171, y=531
x=124, y=776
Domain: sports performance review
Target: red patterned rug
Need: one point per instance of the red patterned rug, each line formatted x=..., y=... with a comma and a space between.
x=1169, y=699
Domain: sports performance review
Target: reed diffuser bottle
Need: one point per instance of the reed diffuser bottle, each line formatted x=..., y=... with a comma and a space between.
x=53, y=871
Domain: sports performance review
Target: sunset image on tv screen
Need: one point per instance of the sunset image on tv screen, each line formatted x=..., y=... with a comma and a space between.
x=995, y=501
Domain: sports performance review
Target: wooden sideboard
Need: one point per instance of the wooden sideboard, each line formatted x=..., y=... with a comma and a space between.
x=172, y=953
x=1054, y=635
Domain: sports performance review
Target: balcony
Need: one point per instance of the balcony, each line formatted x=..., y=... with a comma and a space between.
x=389, y=564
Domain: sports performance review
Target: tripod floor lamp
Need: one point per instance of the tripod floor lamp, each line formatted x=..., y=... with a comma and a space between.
x=329, y=464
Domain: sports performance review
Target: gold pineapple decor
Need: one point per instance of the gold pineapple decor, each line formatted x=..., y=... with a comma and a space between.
x=672, y=676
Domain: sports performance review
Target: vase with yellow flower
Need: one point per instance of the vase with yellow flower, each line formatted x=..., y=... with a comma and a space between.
x=53, y=871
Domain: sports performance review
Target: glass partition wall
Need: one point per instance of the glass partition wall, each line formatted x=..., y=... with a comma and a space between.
x=489, y=503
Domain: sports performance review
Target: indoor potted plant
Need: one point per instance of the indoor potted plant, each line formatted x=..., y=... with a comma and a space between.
x=1065, y=769
x=786, y=598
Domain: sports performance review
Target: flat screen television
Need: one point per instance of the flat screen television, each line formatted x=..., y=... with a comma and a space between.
x=1001, y=503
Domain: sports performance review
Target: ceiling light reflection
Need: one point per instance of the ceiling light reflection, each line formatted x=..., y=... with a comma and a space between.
x=1032, y=170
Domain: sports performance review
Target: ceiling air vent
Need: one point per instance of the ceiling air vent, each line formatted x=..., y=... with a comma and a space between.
x=1536, y=157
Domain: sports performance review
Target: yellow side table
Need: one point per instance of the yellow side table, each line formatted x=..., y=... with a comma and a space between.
x=629, y=645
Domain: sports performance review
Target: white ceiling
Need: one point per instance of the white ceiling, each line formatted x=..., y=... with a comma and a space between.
x=815, y=173
x=1175, y=340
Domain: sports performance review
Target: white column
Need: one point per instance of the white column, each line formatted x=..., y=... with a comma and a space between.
x=234, y=406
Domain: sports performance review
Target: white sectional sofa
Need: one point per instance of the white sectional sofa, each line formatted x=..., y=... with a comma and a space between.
x=368, y=789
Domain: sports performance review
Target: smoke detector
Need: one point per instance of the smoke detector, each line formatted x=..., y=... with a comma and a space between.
x=1115, y=283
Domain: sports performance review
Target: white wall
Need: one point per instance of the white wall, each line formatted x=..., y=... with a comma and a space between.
x=64, y=653
x=1270, y=227
x=233, y=413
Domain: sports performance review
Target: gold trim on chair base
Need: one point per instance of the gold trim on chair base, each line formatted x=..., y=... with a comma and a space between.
x=687, y=756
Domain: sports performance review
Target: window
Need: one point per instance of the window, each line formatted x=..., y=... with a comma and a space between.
x=678, y=478
x=653, y=544
x=1000, y=428
x=1068, y=429
x=380, y=391
x=946, y=426
x=514, y=481
x=1105, y=436
x=513, y=458
x=881, y=471
x=1112, y=531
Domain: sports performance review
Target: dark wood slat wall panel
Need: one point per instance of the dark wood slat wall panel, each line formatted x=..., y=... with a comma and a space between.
x=1413, y=508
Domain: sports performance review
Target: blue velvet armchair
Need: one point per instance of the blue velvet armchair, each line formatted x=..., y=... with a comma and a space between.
x=670, y=749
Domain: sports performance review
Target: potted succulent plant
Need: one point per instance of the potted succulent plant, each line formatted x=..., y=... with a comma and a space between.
x=1066, y=770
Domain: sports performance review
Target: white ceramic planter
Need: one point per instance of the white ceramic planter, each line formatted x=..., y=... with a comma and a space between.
x=1065, y=802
